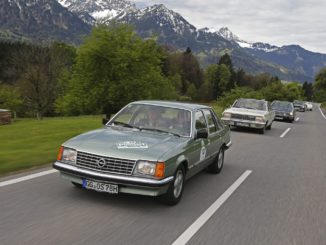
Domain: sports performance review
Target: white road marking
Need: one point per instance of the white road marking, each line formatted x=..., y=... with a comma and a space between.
x=27, y=177
x=322, y=112
x=297, y=119
x=192, y=229
x=285, y=132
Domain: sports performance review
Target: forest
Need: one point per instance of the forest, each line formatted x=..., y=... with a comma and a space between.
x=115, y=66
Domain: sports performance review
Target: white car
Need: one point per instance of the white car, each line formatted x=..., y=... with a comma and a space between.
x=308, y=106
x=250, y=113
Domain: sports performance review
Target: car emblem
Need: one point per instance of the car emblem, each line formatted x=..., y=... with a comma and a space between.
x=101, y=163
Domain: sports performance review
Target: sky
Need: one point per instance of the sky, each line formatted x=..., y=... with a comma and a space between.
x=277, y=22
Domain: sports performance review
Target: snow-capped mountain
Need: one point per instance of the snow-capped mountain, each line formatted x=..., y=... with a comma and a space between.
x=69, y=20
x=98, y=10
x=41, y=20
x=229, y=35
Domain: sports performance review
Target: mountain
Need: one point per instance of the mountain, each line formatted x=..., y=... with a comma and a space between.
x=69, y=20
x=293, y=57
x=94, y=10
x=40, y=20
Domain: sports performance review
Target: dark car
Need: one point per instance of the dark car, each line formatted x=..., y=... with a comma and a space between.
x=284, y=110
x=299, y=105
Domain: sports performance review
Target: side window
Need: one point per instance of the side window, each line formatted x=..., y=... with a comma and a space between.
x=200, y=120
x=212, y=124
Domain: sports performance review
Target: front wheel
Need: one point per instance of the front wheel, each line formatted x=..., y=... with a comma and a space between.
x=174, y=193
x=217, y=165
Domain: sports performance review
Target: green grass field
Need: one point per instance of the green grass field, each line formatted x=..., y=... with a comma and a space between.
x=28, y=143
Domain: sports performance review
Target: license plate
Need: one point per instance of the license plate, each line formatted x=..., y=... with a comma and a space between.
x=278, y=117
x=101, y=187
x=241, y=124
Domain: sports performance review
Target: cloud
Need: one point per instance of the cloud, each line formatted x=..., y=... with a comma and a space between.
x=277, y=22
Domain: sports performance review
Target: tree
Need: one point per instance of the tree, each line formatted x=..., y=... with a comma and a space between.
x=319, y=86
x=308, y=90
x=113, y=67
x=10, y=98
x=223, y=79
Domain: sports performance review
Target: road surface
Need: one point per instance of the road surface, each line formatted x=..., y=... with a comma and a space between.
x=281, y=201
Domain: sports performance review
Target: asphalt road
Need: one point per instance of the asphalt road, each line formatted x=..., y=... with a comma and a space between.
x=282, y=201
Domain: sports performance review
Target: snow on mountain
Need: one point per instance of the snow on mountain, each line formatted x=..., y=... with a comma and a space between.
x=92, y=10
x=228, y=34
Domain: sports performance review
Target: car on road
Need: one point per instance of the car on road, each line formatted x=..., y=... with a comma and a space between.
x=250, y=113
x=147, y=148
x=284, y=110
x=309, y=106
x=299, y=105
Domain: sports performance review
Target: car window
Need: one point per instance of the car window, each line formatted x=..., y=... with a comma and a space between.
x=211, y=120
x=200, y=121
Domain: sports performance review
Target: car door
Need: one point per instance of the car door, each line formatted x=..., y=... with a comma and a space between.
x=198, y=147
x=215, y=134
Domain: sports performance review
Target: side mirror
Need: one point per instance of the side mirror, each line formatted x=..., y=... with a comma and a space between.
x=202, y=133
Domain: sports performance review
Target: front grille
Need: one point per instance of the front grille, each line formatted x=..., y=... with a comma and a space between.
x=243, y=117
x=111, y=165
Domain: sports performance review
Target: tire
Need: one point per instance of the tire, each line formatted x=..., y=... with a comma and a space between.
x=174, y=193
x=269, y=127
x=262, y=130
x=217, y=165
x=77, y=185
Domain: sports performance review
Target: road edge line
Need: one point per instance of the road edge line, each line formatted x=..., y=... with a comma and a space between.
x=321, y=111
x=204, y=217
x=27, y=177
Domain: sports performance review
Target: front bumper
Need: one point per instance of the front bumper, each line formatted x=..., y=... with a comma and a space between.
x=243, y=123
x=284, y=117
x=127, y=184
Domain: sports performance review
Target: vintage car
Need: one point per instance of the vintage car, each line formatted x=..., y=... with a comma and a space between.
x=147, y=148
x=250, y=113
x=284, y=110
x=299, y=105
x=309, y=106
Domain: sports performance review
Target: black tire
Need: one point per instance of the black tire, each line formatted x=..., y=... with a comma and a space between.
x=269, y=127
x=174, y=193
x=77, y=185
x=217, y=165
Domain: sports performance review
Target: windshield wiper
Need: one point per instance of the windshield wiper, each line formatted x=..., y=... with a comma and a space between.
x=161, y=131
x=127, y=125
x=251, y=108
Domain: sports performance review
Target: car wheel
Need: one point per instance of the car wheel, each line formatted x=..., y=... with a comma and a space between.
x=269, y=127
x=77, y=185
x=217, y=165
x=262, y=130
x=174, y=193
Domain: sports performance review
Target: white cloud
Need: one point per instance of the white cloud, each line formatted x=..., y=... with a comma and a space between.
x=278, y=22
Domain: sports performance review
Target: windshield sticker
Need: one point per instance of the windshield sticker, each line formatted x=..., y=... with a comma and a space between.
x=132, y=145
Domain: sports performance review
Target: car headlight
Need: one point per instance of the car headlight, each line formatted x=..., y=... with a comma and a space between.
x=67, y=155
x=226, y=115
x=260, y=119
x=291, y=113
x=153, y=169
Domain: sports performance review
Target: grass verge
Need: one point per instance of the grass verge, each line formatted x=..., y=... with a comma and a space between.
x=28, y=143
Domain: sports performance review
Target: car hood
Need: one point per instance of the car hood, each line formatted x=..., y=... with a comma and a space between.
x=244, y=111
x=126, y=143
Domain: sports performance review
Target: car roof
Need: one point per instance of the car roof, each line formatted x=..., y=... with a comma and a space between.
x=173, y=104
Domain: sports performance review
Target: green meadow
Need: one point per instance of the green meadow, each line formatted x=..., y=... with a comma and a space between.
x=27, y=143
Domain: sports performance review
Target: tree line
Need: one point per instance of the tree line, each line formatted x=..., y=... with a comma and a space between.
x=114, y=66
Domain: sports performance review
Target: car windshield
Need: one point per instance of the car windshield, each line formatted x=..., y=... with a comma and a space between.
x=251, y=104
x=282, y=106
x=298, y=102
x=154, y=118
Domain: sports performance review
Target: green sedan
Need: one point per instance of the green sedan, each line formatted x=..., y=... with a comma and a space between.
x=147, y=148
